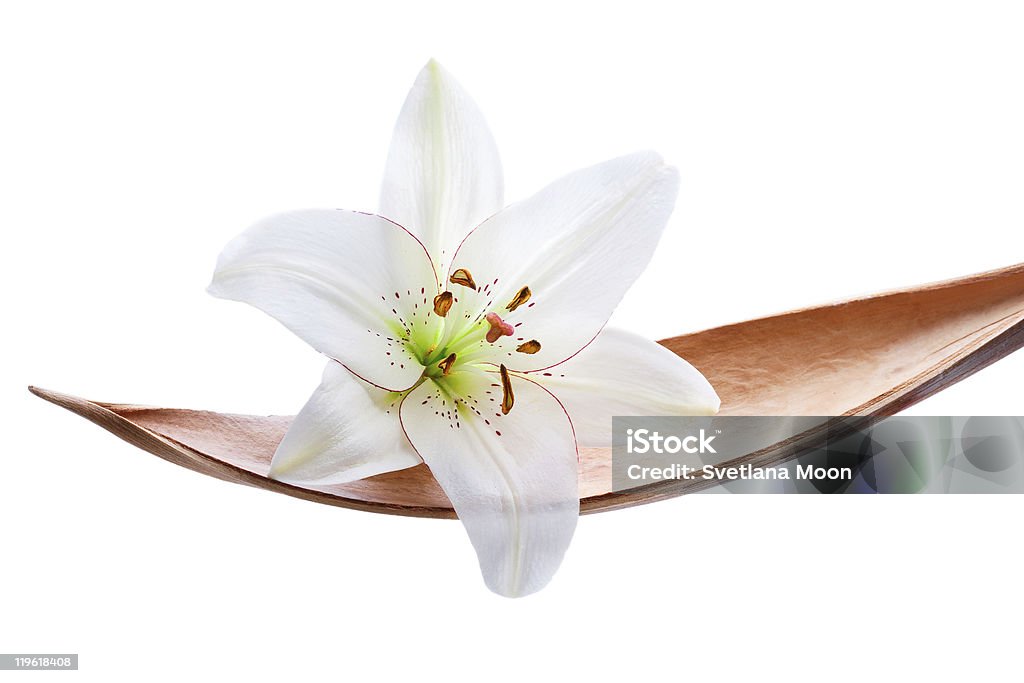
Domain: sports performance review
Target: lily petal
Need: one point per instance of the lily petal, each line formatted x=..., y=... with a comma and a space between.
x=443, y=174
x=621, y=373
x=577, y=246
x=511, y=478
x=352, y=285
x=348, y=430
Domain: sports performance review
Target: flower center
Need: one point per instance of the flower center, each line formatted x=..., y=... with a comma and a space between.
x=471, y=336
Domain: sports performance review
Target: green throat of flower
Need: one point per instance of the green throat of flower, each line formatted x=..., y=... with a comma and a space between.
x=464, y=339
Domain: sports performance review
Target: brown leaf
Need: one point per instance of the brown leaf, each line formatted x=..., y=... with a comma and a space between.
x=872, y=357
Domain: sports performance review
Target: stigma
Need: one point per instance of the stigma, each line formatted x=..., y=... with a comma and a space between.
x=499, y=328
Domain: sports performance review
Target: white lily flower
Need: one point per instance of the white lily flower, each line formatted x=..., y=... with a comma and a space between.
x=466, y=335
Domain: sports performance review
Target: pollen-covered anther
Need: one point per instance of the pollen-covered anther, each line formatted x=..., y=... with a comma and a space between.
x=462, y=277
x=443, y=303
x=508, y=399
x=521, y=297
x=532, y=346
x=499, y=328
x=447, y=363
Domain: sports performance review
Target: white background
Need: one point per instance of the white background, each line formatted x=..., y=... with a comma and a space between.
x=827, y=150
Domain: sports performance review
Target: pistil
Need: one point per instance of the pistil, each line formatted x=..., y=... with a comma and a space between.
x=499, y=328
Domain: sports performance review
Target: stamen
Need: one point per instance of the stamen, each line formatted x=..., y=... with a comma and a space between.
x=532, y=346
x=443, y=303
x=499, y=328
x=507, y=397
x=462, y=277
x=521, y=297
x=447, y=363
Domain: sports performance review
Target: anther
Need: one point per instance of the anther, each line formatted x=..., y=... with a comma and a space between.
x=521, y=297
x=462, y=277
x=507, y=397
x=499, y=328
x=532, y=346
x=443, y=303
x=447, y=363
